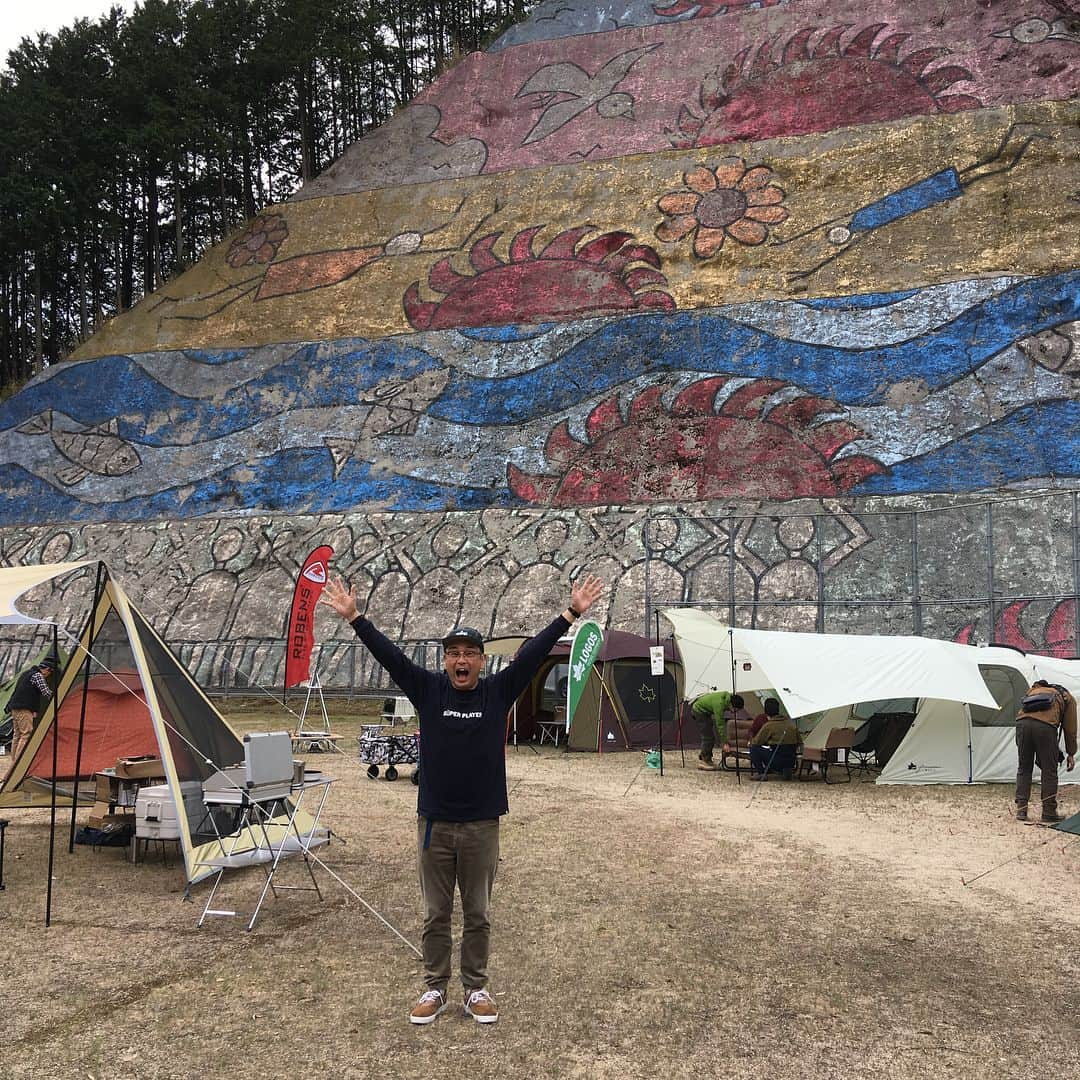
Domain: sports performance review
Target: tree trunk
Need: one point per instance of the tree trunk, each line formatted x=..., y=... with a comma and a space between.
x=84, y=317
x=39, y=315
x=152, y=255
x=178, y=214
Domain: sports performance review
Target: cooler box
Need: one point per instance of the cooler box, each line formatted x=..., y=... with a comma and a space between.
x=155, y=810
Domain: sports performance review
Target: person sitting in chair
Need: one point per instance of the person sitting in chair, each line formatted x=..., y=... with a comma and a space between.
x=773, y=747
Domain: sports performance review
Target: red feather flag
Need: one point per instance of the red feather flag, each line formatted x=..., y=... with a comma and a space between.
x=300, y=636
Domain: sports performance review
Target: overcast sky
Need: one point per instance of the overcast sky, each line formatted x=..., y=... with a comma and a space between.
x=24, y=18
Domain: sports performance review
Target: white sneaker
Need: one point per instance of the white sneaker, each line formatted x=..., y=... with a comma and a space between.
x=480, y=1005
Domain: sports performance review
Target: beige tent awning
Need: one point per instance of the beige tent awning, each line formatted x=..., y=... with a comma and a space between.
x=16, y=580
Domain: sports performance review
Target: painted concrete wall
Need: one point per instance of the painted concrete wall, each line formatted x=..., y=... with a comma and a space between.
x=768, y=277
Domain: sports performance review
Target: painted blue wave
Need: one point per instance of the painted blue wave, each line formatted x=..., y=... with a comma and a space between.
x=561, y=18
x=295, y=481
x=707, y=342
x=319, y=375
x=1036, y=441
x=330, y=374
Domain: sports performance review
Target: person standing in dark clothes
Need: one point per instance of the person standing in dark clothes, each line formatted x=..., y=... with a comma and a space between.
x=1045, y=710
x=462, y=783
x=28, y=700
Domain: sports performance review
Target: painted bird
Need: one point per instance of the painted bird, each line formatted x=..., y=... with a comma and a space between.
x=584, y=90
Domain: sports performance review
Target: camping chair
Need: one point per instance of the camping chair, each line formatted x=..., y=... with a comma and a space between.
x=550, y=725
x=840, y=740
x=864, y=751
x=738, y=739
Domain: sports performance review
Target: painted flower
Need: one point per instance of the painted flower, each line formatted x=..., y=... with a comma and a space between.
x=730, y=200
x=259, y=242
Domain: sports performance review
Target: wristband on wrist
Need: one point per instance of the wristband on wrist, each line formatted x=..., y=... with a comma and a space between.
x=573, y=611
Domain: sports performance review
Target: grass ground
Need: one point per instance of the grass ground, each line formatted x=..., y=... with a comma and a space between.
x=681, y=925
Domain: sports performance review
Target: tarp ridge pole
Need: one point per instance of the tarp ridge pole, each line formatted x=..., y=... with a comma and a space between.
x=678, y=704
x=88, y=633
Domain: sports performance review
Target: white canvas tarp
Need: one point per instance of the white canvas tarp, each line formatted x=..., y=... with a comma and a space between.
x=814, y=672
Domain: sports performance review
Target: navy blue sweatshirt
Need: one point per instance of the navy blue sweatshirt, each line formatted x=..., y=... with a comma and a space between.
x=462, y=733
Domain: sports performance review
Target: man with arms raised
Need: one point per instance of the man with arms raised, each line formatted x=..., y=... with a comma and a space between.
x=462, y=783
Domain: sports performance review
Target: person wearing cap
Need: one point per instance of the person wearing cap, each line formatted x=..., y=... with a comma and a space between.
x=28, y=700
x=462, y=790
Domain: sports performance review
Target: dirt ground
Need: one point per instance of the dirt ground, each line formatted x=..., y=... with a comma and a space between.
x=644, y=926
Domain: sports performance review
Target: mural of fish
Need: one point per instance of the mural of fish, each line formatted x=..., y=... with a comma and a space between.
x=98, y=450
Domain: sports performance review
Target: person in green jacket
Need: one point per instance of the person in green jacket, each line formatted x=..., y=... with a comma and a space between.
x=709, y=711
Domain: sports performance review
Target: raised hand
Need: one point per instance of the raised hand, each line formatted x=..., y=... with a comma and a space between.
x=341, y=598
x=584, y=592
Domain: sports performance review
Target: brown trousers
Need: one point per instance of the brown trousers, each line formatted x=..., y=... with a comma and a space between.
x=23, y=721
x=465, y=854
x=1037, y=742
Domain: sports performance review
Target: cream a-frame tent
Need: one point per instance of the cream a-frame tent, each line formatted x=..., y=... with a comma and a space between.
x=117, y=643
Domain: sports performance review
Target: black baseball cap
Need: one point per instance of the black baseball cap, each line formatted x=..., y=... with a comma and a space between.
x=466, y=634
x=52, y=660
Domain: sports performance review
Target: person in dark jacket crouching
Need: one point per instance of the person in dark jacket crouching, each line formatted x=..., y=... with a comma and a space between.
x=462, y=783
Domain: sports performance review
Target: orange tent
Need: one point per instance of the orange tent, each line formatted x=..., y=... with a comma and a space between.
x=117, y=725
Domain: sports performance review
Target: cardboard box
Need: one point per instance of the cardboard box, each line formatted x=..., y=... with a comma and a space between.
x=109, y=821
x=140, y=768
x=106, y=786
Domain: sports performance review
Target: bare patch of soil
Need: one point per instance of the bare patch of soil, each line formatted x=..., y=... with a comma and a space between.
x=644, y=926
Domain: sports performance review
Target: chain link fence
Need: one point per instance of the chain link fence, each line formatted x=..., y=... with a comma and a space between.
x=1005, y=570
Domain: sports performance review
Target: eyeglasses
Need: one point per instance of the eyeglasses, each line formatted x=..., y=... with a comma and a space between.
x=463, y=654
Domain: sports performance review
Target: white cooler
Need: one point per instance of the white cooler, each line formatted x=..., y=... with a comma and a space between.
x=155, y=810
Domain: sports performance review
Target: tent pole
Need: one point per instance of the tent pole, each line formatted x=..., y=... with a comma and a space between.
x=627, y=745
x=731, y=649
x=52, y=806
x=659, y=703
x=971, y=748
x=678, y=708
x=88, y=633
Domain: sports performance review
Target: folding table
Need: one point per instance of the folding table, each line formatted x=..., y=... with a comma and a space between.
x=268, y=798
